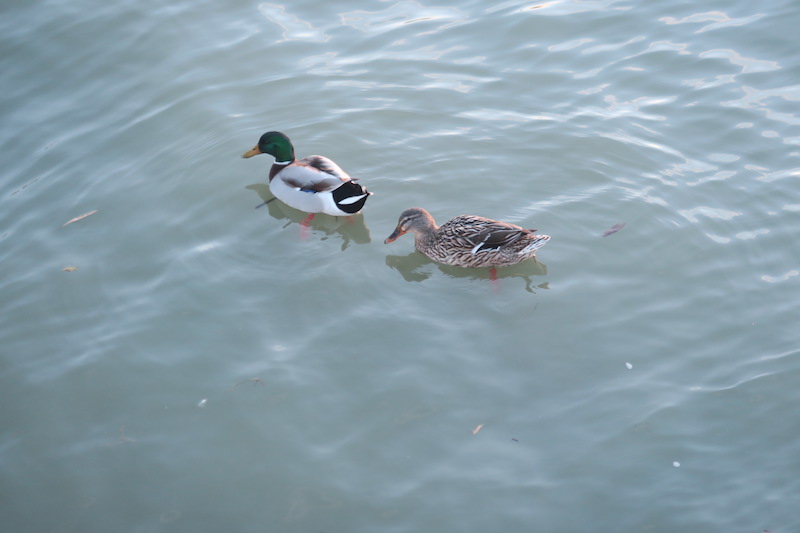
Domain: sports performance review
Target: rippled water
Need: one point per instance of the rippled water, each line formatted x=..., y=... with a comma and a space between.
x=203, y=368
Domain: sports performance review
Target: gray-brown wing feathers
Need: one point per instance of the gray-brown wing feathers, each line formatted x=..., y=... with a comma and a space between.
x=488, y=234
x=314, y=173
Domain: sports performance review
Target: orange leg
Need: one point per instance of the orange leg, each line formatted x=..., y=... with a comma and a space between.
x=493, y=279
x=304, y=226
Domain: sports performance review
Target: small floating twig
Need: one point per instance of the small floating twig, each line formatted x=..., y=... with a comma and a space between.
x=613, y=229
x=254, y=381
x=81, y=217
x=266, y=202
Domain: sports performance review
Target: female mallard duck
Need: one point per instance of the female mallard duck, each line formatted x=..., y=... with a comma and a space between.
x=467, y=240
x=314, y=184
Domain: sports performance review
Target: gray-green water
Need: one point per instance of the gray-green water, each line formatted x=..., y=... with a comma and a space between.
x=206, y=369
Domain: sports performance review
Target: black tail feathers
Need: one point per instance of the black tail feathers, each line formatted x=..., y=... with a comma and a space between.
x=350, y=197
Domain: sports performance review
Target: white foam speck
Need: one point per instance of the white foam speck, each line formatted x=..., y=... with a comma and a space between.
x=206, y=246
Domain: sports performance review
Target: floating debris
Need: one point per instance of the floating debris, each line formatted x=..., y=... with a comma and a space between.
x=629, y=366
x=202, y=403
x=122, y=438
x=676, y=464
x=81, y=217
x=253, y=381
x=266, y=202
x=477, y=429
x=69, y=269
x=613, y=229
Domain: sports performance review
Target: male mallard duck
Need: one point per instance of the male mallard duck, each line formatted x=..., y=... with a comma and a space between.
x=314, y=184
x=467, y=240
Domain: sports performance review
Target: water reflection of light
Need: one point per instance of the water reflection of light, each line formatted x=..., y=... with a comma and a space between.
x=782, y=277
x=709, y=212
x=294, y=29
x=718, y=20
x=401, y=13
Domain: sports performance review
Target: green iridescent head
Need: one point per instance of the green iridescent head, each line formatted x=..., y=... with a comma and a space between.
x=275, y=144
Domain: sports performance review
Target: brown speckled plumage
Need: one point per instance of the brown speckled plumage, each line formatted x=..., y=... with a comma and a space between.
x=467, y=240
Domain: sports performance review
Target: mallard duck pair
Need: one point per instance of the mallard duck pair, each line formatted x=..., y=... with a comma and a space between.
x=315, y=184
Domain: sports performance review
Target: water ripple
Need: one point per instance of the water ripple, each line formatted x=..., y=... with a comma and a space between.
x=293, y=29
x=719, y=20
x=401, y=14
x=783, y=277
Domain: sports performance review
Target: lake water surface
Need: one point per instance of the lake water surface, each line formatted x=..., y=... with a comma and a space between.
x=182, y=361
